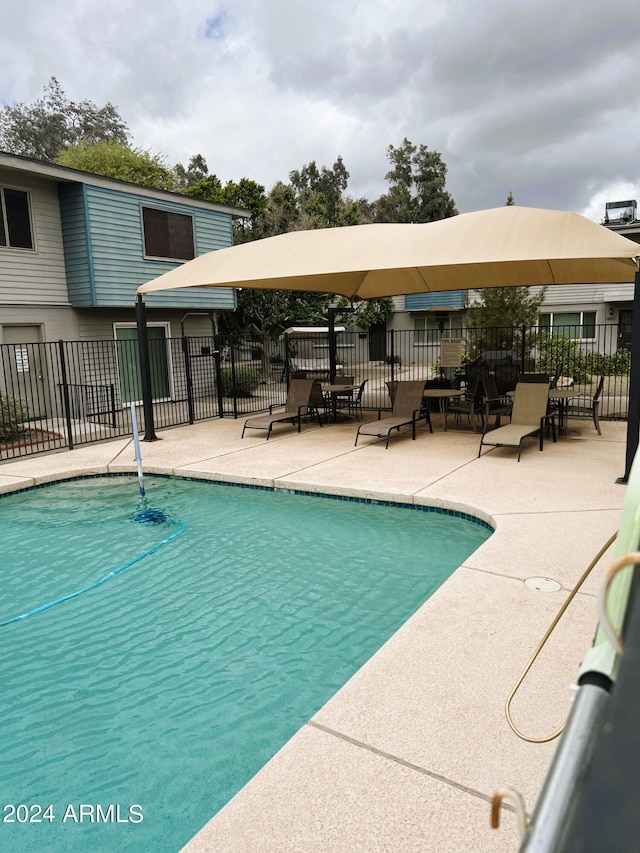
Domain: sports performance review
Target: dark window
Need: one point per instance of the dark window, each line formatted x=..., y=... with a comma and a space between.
x=167, y=235
x=15, y=222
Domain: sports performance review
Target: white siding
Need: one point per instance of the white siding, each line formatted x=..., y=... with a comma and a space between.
x=578, y=294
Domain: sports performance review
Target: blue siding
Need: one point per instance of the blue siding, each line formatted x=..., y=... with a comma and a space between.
x=424, y=301
x=76, y=245
x=114, y=247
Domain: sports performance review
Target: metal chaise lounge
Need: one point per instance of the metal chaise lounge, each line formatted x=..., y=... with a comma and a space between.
x=528, y=415
x=407, y=409
x=297, y=405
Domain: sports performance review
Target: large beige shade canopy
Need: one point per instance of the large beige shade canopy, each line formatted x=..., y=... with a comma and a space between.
x=505, y=246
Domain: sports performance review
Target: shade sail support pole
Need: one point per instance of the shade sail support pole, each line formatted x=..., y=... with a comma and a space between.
x=633, y=416
x=331, y=322
x=145, y=370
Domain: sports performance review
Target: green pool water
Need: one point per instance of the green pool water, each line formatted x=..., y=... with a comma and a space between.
x=137, y=709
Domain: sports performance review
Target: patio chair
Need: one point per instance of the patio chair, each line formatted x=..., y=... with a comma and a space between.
x=317, y=403
x=469, y=404
x=542, y=378
x=529, y=415
x=392, y=387
x=336, y=401
x=591, y=407
x=506, y=377
x=355, y=404
x=297, y=405
x=494, y=403
x=556, y=375
x=553, y=406
x=407, y=409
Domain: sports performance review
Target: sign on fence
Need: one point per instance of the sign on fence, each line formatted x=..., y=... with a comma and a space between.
x=451, y=352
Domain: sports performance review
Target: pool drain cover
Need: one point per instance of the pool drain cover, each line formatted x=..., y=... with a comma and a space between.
x=543, y=584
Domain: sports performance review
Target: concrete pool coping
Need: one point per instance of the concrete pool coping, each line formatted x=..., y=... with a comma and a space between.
x=407, y=755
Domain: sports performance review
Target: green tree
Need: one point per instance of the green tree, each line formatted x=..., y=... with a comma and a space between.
x=195, y=172
x=417, y=186
x=505, y=306
x=499, y=314
x=246, y=193
x=115, y=160
x=272, y=311
x=52, y=123
x=320, y=192
x=314, y=198
x=510, y=200
x=366, y=313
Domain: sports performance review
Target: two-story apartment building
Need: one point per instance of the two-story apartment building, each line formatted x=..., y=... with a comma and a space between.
x=74, y=247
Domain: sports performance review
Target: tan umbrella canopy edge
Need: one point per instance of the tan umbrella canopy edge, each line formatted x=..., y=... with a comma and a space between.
x=501, y=247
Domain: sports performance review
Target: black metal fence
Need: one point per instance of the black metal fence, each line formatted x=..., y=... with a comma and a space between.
x=69, y=393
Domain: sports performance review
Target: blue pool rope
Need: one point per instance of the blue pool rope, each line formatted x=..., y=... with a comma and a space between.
x=112, y=574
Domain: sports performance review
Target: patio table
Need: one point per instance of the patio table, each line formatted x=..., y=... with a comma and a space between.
x=561, y=395
x=443, y=395
x=334, y=391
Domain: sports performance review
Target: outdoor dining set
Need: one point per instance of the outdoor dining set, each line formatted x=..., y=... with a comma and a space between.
x=536, y=404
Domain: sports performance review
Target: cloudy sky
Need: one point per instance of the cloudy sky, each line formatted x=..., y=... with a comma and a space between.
x=539, y=98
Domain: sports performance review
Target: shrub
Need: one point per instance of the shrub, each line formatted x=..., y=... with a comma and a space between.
x=392, y=359
x=556, y=349
x=247, y=380
x=580, y=365
x=13, y=413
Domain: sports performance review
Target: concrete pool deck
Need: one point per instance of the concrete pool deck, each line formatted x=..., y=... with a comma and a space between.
x=407, y=755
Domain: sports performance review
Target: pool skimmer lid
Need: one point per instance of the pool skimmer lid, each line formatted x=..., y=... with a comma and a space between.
x=543, y=584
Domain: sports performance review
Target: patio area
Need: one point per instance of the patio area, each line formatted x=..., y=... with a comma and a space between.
x=407, y=755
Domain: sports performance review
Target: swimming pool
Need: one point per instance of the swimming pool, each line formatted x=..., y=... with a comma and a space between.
x=157, y=695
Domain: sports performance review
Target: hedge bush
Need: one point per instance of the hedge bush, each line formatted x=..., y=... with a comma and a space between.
x=13, y=413
x=581, y=366
x=247, y=380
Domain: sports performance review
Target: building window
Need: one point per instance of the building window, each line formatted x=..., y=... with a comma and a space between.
x=15, y=219
x=167, y=235
x=577, y=325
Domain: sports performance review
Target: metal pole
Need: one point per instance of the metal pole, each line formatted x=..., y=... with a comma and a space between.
x=188, y=377
x=136, y=445
x=563, y=787
x=145, y=371
x=234, y=343
x=331, y=320
x=393, y=355
x=287, y=361
x=65, y=393
x=218, y=368
x=633, y=418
